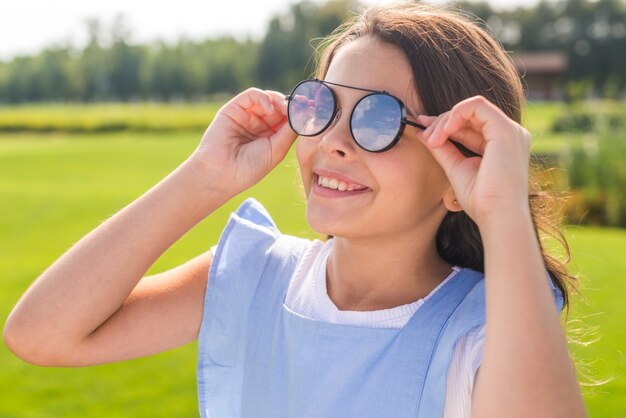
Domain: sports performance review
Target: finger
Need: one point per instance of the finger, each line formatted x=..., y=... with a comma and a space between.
x=249, y=123
x=278, y=101
x=460, y=170
x=254, y=98
x=425, y=120
x=465, y=137
x=470, y=139
x=433, y=133
x=447, y=155
x=259, y=103
x=281, y=141
x=256, y=110
x=477, y=113
x=433, y=126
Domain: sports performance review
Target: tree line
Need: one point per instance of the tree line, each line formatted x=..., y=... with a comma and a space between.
x=110, y=68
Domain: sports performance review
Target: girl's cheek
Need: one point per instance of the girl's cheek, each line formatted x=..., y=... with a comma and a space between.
x=299, y=152
x=304, y=155
x=305, y=150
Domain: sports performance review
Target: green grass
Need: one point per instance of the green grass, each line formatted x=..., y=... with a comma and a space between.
x=56, y=188
x=598, y=257
x=106, y=117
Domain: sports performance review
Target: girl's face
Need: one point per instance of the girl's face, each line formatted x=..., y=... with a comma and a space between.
x=404, y=186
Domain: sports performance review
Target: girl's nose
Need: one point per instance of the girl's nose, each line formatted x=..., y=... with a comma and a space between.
x=337, y=116
x=337, y=140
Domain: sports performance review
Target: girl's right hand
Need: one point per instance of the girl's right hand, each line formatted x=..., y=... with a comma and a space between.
x=247, y=139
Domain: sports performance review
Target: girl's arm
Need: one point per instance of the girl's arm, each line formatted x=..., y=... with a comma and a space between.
x=79, y=312
x=526, y=370
x=91, y=306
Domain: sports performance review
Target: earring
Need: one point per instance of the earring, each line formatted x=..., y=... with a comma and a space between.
x=455, y=202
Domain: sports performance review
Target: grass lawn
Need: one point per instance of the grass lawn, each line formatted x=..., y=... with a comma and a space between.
x=103, y=117
x=598, y=258
x=56, y=189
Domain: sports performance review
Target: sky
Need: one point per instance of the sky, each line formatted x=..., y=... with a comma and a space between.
x=28, y=26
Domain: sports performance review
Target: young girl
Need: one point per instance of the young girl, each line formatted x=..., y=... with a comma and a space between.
x=434, y=267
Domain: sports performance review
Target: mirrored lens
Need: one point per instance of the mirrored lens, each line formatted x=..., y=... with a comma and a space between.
x=375, y=122
x=310, y=108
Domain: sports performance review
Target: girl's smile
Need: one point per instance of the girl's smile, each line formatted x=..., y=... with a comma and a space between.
x=333, y=184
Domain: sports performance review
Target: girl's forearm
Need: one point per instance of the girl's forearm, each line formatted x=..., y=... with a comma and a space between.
x=89, y=282
x=526, y=370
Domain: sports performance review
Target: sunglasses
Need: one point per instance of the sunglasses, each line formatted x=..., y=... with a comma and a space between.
x=377, y=121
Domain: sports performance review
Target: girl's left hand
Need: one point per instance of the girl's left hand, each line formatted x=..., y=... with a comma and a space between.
x=497, y=182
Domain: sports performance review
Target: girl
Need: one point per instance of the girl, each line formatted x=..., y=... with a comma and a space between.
x=434, y=267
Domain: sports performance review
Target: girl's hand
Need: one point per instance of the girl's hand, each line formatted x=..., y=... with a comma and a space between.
x=247, y=139
x=495, y=182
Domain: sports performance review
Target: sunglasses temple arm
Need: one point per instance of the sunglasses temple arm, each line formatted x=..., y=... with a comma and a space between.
x=457, y=143
x=417, y=125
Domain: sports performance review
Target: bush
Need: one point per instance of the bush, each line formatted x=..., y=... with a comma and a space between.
x=596, y=174
x=587, y=118
x=574, y=123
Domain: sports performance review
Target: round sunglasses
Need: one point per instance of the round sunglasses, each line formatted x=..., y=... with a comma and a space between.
x=377, y=120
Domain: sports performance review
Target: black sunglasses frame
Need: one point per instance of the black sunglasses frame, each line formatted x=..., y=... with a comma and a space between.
x=403, y=119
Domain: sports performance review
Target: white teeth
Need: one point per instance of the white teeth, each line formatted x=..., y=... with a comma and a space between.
x=334, y=184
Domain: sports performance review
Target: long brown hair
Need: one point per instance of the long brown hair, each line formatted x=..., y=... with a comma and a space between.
x=452, y=59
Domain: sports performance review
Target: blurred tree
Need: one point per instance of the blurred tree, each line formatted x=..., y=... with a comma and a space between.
x=285, y=55
x=167, y=73
x=229, y=64
x=94, y=81
x=123, y=63
x=21, y=80
x=52, y=82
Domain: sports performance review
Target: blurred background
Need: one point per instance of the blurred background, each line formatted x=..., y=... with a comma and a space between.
x=99, y=102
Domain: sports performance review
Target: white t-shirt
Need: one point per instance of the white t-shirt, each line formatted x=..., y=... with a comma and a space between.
x=307, y=296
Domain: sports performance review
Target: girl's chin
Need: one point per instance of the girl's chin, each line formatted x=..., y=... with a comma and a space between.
x=321, y=228
x=337, y=218
x=335, y=227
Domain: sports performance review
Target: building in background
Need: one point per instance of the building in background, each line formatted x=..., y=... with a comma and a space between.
x=541, y=73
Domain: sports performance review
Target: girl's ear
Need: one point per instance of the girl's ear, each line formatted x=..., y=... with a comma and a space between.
x=450, y=202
